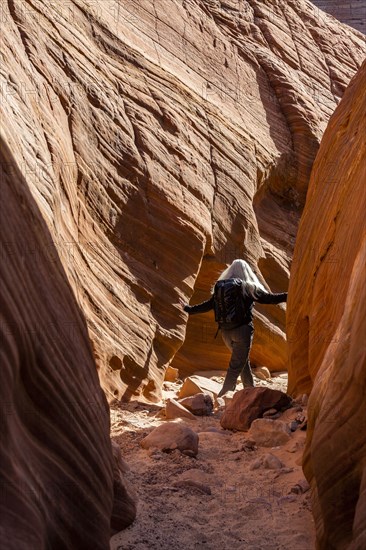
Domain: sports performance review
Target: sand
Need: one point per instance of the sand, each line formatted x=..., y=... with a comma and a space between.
x=246, y=508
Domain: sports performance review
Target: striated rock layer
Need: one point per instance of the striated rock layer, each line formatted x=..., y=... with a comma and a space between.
x=59, y=484
x=161, y=140
x=327, y=325
x=352, y=12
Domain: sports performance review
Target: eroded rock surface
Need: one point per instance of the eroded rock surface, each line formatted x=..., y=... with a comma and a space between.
x=249, y=404
x=327, y=325
x=352, y=12
x=160, y=144
x=60, y=485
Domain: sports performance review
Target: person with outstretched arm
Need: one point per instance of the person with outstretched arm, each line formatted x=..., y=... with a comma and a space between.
x=234, y=294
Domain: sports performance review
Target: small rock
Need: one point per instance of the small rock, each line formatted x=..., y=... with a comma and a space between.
x=270, y=433
x=301, y=487
x=156, y=455
x=256, y=464
x=213, y=430
x=200, y=404
x=247, y=445
x=171, y=374
x=293, y=425
x=262, y=373
x=191, y=483
x=173, y=409
x=302, y=420
x=170, y=436
x=272, y=462
x=194, y=478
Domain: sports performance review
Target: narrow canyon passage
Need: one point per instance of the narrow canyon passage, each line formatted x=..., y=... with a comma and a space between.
x=224, y=498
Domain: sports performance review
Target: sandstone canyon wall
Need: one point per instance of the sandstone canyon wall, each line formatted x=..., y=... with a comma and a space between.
x=327, y=325
x=60, y=485
x=161, y=140
x=352, y=12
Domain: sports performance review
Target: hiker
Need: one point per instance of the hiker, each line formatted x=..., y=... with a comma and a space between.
x=232, y=299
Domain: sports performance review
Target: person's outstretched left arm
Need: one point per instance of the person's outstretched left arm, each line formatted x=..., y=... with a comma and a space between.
x=200, y=308
x=269, y=298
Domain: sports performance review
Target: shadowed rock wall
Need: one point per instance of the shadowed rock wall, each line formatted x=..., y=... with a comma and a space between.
x=161, y=140
x=59, y=484
x=327, y=325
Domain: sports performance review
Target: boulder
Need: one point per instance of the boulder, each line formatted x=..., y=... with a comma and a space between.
x=251, y=403
x=171, y=374
x=200, y=404
x=170, y=436
x=198, y=384
x=173, y=409
x=269, y=433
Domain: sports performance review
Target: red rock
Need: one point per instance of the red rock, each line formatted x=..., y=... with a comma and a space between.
x=157, y=153
x=61, y=486
x=269, y=433
x=327, y=325
x=198, y=384
x=173, y=409
x=200, y=404
x=249, y=404
x=124, y=508
x=170, y=436
x=171, y=374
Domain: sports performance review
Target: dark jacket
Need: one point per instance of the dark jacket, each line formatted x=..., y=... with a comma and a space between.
x=261, y=297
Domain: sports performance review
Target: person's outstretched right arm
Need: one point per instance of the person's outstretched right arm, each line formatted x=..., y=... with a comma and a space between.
x=200, y=308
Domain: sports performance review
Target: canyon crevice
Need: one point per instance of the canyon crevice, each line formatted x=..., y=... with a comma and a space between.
x=60, y=485
x=327, y=325
x=160, y=144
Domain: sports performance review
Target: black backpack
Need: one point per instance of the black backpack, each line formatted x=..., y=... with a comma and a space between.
x=229, y=303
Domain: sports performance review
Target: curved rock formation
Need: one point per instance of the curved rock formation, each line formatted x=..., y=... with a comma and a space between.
x=352, y=12
x=160, y=145
x=327, y=325
x=59, y=481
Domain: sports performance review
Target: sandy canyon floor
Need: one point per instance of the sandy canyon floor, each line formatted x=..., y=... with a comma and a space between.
x=248, y=507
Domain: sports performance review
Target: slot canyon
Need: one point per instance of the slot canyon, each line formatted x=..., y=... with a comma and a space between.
x=144, y=147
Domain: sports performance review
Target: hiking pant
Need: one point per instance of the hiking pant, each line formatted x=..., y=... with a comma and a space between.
x=239, y=341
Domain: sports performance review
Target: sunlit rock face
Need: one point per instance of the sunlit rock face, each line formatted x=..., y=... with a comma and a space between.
x=161, y=143
x=352, y=12
x=327, y=325
x=60, y=487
